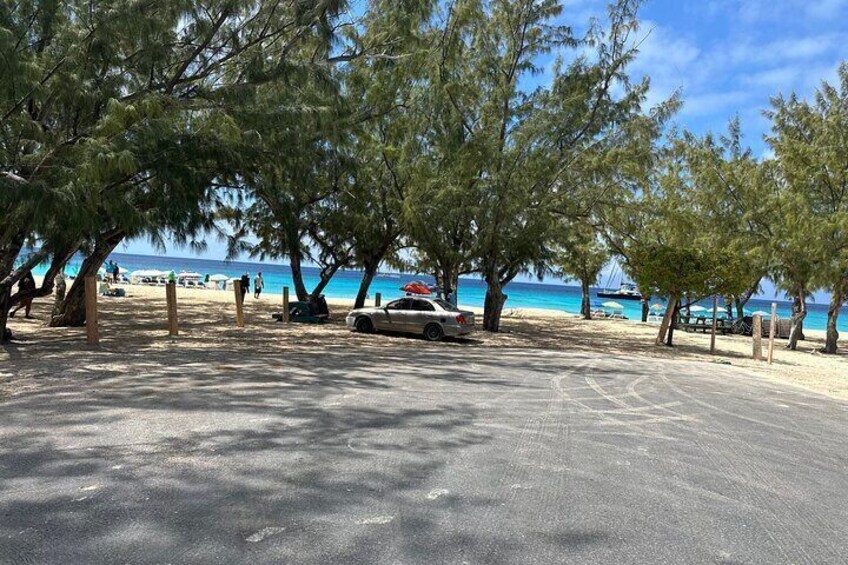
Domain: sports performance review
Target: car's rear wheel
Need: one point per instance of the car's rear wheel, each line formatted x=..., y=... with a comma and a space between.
x=433, y=332
x=364, y=325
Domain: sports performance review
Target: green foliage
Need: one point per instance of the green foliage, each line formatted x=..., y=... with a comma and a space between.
x=810, y=142
x=583, y=255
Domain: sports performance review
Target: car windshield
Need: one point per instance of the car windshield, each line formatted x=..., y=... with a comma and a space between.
x=446, y=305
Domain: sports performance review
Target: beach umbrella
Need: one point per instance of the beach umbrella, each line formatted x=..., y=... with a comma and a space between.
x=762, y=313
x=189, y=276
x=612, y=305
x=657, y=307
x=219, y=278
x=697, y=308
x=146, y=273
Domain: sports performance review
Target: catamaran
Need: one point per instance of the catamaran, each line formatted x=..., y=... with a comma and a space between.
x=627, y=291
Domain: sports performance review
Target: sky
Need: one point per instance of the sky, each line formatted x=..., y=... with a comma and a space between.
x=725, y=57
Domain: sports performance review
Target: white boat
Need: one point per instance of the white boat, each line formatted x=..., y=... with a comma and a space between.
x=626, y=291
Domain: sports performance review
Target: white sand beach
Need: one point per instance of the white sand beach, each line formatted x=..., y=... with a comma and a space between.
x=207, y=320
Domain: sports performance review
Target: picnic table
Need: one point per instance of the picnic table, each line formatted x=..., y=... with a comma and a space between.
x=704, y=324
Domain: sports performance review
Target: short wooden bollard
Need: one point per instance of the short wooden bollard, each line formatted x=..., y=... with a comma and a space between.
x=758, y=337
x=92, y=336
x=239, y=305
x=171, y=296
x=377, y=298
x=286, y=313
x=772, y=330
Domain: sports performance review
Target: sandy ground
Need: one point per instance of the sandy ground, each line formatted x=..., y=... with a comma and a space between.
x=138, y=322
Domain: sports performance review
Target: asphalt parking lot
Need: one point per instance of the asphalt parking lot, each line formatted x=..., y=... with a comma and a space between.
x=421, y=455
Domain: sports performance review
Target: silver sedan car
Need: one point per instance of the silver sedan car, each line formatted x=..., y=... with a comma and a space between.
x=432, y=318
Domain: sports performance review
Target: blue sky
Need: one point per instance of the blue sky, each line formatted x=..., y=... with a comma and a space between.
x=729, y=57
x=726, y=57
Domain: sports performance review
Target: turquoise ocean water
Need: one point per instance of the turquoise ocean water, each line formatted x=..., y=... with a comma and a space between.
x=471, y=291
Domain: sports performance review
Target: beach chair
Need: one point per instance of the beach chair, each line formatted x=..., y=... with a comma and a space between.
x=655, y=317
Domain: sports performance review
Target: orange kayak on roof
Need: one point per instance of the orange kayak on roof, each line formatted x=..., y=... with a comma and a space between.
x=416, y=287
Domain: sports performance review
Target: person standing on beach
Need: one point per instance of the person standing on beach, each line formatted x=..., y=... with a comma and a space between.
x=116, y=272
x=258, y=285
x=245, y=285
x=26, y=286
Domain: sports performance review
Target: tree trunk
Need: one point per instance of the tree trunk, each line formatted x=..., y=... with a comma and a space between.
x=5, y=294
x=740, y=308
x=799, y=308
x=71, y=313
x=61, y=291
x=836, y=301
x=729, y=302
x=796, y=309
x=673, y=326
x=326, y=277
x=447, y=278
x=585, y=306
x=670, y=311
x=297, y=276
x=742, y=301
x=7, y=266
x=370, y=268
x=493, y=306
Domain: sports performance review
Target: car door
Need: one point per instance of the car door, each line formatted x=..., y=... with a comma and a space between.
x=393, y=317
x=421, y=313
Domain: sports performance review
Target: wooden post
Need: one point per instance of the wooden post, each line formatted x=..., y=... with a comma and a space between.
x=171, y=296
x=239, y=305
x=286, y=314
x=91, y=335
x=758, y=338
x=772, y=331
x=377, y=298
x=715, y=323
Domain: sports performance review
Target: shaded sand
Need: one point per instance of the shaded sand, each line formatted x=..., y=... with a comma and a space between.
x=137, y=324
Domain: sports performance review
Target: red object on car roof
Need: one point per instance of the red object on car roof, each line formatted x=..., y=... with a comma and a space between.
x=416, y=287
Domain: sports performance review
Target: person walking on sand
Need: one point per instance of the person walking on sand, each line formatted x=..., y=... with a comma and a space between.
x=116, y=272
x=26, y=286
x=245, y=285
x=258, y=285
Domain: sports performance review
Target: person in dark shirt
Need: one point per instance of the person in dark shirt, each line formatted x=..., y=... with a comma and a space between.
x=245, y=285
x=26, y=284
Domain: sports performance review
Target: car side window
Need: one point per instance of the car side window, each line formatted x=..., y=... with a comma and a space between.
x=402, y=304
x=422, y=306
